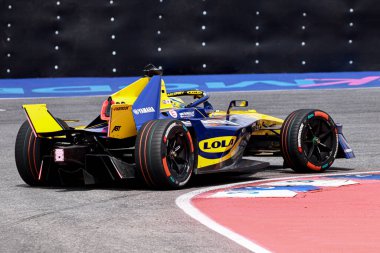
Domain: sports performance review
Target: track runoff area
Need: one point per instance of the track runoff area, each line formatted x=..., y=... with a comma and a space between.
x=326, y=213
x=317, y=213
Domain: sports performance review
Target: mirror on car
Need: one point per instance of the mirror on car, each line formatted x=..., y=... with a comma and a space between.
x=237, y=103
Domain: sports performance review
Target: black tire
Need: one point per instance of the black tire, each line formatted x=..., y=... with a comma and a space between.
x=164, y=154
x=29, y=150
x=309, y=141
x=28, y=155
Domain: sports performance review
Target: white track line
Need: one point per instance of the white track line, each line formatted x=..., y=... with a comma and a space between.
x=184, y=202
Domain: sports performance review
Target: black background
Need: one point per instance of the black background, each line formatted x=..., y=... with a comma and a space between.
x=85, y=43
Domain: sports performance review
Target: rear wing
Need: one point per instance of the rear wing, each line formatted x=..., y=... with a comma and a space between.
x=128, y=109
x=41, y=120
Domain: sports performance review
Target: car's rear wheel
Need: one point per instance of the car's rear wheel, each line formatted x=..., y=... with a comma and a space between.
x=164, y=154
x=309, y=141
x=28, y=155
x=29, y=151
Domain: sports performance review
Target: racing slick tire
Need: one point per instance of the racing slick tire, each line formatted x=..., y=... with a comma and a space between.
x=164, y=154
x=309, y=141
x=29, y=150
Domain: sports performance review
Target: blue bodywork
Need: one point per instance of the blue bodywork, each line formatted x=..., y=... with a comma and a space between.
x=203, y=127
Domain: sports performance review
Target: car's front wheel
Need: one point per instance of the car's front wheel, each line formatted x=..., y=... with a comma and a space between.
x=309, y=140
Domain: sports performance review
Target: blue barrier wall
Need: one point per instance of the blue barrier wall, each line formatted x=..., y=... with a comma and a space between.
x=66, y=87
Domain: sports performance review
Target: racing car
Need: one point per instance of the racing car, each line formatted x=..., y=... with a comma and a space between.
x=145, y=132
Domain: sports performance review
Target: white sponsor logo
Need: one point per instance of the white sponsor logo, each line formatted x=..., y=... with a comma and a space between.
x=299, y=135
x=173, y=113
x=213, y=122
x=166, y=102
x=143, y=110
x=169, y=129
x=187, y=123
x=255, y=194
x=186, y=114
x=336, y=148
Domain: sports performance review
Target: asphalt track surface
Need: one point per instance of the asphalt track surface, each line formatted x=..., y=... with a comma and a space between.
x=135, y=219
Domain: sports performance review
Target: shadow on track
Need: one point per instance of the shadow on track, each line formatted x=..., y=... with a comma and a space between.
x=196, y=182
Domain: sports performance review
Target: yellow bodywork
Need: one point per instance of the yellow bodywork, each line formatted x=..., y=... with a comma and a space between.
x=122, y=118
x=165, y=103
x=40, y=119
x=266, y=125
x=129, y=94
x=120, y=124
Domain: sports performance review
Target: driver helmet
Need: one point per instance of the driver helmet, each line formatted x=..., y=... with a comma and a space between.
x=177, y=102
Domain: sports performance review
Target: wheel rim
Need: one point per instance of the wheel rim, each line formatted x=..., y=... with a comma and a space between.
x=318, y=141
x=178, y=155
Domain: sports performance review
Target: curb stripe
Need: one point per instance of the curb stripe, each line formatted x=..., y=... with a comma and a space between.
x=184, y=203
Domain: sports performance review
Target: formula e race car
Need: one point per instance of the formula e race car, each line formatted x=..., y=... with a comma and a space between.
x=145, y=132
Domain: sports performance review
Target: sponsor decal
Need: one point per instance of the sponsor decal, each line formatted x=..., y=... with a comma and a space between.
x=299, y=137
x=116, y=129
x=217, y=122
x=187, y=123
x=186, y=114
x=166, y=102
x=255, y=194
x=195, y=92
x=264, y=192
x=173, y=113
x=337, y=141
x=217, y=144
x=296, y=188
x=121, y=108
x=286, y=189
x=318, y=182
x=358, y=176
x=143, y=110
x=170, y=128
x=177, y=93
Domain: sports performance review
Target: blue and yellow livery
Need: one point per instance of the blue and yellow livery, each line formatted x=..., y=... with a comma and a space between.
x=143, y=131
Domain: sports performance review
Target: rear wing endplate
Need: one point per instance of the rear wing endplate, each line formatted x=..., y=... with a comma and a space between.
x=41, y=120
